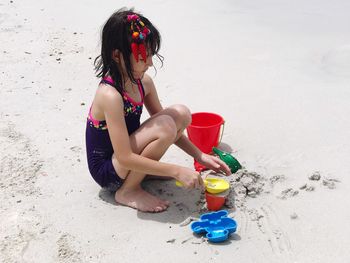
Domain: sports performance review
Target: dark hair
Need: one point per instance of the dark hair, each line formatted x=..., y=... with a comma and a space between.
x=116, y=34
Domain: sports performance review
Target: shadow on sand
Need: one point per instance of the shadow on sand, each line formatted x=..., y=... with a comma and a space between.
x=183, y=203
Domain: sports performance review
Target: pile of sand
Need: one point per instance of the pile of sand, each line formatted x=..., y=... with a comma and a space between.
x=246, y=184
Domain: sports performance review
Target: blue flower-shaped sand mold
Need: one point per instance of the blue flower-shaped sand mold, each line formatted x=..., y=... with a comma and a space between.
x=216, y=224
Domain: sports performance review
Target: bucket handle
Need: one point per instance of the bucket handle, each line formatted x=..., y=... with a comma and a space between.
x=222, y=130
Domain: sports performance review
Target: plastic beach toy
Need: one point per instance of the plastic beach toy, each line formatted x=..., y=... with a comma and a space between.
x=216, y=225
x=228, y=159
x=213, y=185
x=205, y=131
x=214, y=201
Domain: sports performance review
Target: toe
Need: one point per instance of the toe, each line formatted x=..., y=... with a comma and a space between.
x=163, y=204
x=159, y=207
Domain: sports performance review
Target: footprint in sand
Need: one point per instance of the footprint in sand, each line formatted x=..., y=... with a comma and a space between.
x=270, y=226
x=330, y=183
x=65, y=251
x=19, y=169
x=289, y=192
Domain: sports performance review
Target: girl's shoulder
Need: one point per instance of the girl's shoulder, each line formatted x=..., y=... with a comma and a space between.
x=106, y=93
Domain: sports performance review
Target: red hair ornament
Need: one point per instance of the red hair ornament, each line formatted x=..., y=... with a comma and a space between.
x=139, y=34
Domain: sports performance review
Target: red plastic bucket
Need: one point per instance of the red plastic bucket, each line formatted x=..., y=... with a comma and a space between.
x=204, y=130
x=214, y=202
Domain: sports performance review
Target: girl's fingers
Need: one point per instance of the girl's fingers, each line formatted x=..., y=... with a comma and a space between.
x=190, y=185
x=201, y=182
x=225, y=167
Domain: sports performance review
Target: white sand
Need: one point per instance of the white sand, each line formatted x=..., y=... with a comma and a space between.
x=277, y=71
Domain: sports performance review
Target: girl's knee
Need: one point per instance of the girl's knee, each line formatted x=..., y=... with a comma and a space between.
x=167, y=127
x=183, y=115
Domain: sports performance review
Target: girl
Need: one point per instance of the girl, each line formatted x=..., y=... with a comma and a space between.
x=120, y=151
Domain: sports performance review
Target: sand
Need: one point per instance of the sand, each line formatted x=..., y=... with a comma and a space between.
x=277, y=71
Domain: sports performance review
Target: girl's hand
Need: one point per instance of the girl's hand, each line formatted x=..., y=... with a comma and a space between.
x=190, y=178
x=214, y=163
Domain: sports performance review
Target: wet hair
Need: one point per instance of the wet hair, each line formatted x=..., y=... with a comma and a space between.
x=116, y=34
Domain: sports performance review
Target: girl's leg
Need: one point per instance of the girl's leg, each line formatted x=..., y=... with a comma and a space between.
x=151, y=140
x=182, y=117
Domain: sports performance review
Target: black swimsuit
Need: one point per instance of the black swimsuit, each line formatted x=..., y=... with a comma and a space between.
x=98, y=143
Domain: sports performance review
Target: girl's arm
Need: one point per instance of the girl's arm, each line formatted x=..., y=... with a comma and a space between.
x=207, y=160
x=152, y=102
x=114, y=113
x=113, y=109
x=154, y=106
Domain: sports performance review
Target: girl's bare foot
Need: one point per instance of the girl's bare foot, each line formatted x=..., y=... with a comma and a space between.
x=140, y=200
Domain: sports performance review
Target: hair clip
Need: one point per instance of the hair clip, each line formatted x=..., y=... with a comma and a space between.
x=138, y=35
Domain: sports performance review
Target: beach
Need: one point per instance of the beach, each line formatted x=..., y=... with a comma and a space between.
x=278, y=72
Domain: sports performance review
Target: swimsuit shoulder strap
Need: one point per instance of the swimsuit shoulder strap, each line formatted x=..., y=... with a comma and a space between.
x=108, y=80
x=94, y=121
x=141, y=89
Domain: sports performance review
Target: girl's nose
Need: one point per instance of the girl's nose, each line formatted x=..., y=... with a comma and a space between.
x=149, y=61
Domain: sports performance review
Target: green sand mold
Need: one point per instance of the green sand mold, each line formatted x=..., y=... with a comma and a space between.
x=231, y=161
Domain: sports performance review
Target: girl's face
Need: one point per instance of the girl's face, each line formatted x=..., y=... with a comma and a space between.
x=140, y=67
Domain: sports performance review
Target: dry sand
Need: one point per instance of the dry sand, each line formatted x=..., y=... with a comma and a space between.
x=277, y=71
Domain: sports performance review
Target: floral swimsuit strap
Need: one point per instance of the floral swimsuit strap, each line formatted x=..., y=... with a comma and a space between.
x=130, y=105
